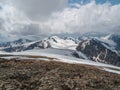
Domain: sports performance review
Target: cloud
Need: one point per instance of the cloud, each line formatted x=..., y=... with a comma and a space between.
x=43, y=17
x=30, y=29
x=18, y=18
x=11, y=20
x=39, y=9
x=87, y=18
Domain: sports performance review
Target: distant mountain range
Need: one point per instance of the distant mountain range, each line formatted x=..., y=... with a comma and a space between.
x=104, y=49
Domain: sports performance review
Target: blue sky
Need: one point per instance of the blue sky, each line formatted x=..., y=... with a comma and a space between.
x=113, y=2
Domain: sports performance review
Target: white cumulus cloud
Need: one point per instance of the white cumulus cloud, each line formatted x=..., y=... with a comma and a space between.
x=86, y=18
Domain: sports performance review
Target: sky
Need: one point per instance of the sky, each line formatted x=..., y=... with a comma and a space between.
x=113, y=2
x=32, y=18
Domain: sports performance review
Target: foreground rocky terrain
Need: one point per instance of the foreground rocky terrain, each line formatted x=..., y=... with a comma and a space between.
x=51, y=75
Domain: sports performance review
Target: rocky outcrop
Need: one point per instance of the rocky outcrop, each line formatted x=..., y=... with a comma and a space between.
x=41, y=44
x=14, y=49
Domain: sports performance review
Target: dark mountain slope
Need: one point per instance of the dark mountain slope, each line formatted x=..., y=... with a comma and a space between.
x=97, y=51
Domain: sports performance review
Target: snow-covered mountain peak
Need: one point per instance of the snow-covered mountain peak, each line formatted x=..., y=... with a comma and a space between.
x=57, y=42
x=54, y=37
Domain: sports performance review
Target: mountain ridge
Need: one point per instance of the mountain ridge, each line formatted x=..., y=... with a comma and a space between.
x=101, y=49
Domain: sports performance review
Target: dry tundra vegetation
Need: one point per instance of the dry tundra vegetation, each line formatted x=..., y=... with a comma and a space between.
x=52, y=75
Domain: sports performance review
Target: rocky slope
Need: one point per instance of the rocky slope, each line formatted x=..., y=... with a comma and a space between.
x=97, y=51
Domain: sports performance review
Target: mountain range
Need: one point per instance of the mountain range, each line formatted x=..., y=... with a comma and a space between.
x=103, y=49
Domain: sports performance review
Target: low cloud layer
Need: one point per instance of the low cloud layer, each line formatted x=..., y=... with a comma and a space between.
x=35, y=17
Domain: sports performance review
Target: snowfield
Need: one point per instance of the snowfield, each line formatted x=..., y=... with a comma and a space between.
x=60, y=43
x=60, y=55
